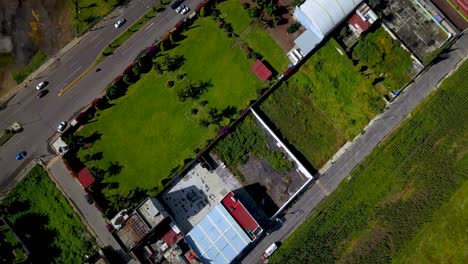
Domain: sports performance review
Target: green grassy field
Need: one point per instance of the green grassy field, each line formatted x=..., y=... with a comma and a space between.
x=86, y=13
x=233, y=12
x=254, y=36
x=45, y=222
x=383, y=55
x=329, y=101
x=395, y=192
x=443, y=240
x=149, y=131
x=37, y=60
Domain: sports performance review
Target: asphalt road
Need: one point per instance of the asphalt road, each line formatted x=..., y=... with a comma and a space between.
x=40, y=117
x=362, y=147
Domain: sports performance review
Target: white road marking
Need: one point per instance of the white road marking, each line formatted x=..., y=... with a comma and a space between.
x=69, y=76
x=21, y=139
x=149, y=26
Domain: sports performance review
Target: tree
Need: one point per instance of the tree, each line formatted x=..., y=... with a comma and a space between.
x=112, y=92
x=254, y=12
x=128, y=78
x=367, y=52
x=293, y=28
x=276, y=20
x=202, y=11
x=158, y=67
x=136, y=69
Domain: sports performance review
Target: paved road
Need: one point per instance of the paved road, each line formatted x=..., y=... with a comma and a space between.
x=40, y=117
x=75, y=192
x=362, y=147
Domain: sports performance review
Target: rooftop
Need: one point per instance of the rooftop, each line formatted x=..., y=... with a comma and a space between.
x=242, y=216
x=152, y=212
x=218, y=238
x=133, y=230
x=261, y=70
x=85, y=177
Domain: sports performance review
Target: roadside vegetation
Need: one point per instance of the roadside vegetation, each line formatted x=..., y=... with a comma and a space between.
x=37, y=60
x=86, y=13
x=323, y=105
x=383, y=208
x=45, y=222
x=382, y=60
x=122, y=38
x=248, y=139
x=168, y=113
x=11, y=249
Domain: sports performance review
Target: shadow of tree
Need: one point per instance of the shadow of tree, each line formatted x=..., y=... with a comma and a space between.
x=32, y=228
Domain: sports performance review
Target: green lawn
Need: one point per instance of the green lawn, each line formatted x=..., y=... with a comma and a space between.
x=395, y=192
x=37, y=60
x=443, y=240
x=261, y=41
x=45, y=222
x=324, y=104
x=88, y=12
x=233, y=12
x=149, y=131
x=254, y=36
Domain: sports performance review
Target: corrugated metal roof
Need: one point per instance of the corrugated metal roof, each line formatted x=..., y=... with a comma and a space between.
x=324, y=15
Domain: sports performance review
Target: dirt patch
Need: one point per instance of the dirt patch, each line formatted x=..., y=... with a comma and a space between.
x=33, y=25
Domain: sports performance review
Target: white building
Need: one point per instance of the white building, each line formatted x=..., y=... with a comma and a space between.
x=319, y=17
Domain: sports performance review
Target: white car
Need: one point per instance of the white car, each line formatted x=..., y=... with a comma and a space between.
x=179, y=8
x=119, y=22
x=62, y=126
x=41, y=85
x=185, y=10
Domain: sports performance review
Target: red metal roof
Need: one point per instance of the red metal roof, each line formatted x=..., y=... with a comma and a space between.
x=357, y=22
x=261, y=71
x=463, y=4
x=85, y=177
x=240, y=214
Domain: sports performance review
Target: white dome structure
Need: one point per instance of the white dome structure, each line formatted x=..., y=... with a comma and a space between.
x=322, y=16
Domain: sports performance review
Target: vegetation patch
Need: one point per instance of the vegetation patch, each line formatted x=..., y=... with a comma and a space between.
x=37, y=60
x=383, y=60
x=247, y=139
x=323, y=105
x=86, y=13
x=394, y=193
x=45, y=222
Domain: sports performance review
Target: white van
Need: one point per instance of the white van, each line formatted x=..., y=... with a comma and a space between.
x=269, y=251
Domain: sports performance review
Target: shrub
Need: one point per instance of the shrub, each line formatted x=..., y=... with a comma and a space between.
x=180, y=76
x=202, y=12
x=245, y=5
x=293, y=28
x=136, y=69
x=254, y=12
x=7, y=131
x=170, y=84
x=194, y=111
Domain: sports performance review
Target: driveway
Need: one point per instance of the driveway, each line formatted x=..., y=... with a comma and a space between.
x=376, y=131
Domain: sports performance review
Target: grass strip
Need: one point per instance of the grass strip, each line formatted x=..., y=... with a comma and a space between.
x=37, y=60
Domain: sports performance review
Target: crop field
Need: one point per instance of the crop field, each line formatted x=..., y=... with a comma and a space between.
x=150, y=131
x=45, y=222
x=396, y=191
x=329, y=101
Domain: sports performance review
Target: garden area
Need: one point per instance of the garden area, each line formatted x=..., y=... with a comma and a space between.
x=382, y=60
x=45, y=222
x=386, y=206
x=166, y=114
x=326, y=103
x=265, y=171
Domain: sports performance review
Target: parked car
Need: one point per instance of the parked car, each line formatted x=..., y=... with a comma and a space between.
x=179, y=9
x=62, y=126
x=42, y=93
x=119, y=22
x=41, y=85
x=21, y=155
x=174, y=4
x=89, y=199
x=185, y=10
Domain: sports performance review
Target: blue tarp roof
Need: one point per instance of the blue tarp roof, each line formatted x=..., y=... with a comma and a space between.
x=217, y=238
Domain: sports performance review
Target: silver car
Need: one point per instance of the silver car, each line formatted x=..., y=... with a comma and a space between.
x=185, y=10
x=119, y=22
x=62, y=126
x=41, y=85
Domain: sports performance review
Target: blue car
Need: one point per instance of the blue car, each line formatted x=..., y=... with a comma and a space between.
x=21, y=155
